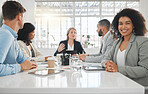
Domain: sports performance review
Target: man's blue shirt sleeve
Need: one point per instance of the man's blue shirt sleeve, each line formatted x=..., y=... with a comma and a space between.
x=6, y=68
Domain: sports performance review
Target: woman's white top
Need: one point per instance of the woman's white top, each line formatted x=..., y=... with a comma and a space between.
x=121, y=57
x=70, y=48
x=29, y=50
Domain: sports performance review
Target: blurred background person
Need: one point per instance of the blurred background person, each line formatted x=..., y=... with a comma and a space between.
x=106, y=43
x=129, y=53
x=70, y=43
x=25, y=35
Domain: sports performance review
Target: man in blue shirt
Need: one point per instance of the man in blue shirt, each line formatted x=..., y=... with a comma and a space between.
x=12, y=59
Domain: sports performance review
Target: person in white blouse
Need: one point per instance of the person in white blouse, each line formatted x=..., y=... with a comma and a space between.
x=25, y=35
x=70, y=43
x=129, y=53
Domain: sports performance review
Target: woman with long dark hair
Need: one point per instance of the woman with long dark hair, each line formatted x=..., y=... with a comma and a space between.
x=25, y=37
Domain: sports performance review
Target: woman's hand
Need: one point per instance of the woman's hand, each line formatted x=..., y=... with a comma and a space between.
x=61, y=47
x=111, y=66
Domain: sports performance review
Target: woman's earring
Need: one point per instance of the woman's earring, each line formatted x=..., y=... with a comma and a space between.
x=134, y=32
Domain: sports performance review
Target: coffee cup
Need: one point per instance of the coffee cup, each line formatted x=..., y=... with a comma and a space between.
x=51, y=62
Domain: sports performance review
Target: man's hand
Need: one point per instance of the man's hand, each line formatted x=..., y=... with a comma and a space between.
x=27, y=64
x=82, y=56
x=111, y=66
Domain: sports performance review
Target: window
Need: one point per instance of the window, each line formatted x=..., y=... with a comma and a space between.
x=54, y=18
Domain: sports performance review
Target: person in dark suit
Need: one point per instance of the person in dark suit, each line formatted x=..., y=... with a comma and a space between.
x=70, y=43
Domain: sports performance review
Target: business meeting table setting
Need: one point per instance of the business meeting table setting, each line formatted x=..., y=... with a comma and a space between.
x=76, y=78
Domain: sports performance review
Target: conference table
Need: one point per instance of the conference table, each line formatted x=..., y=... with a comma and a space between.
x=69, y=81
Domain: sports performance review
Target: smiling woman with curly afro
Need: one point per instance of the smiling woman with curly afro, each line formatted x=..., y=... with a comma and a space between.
x=129, y=53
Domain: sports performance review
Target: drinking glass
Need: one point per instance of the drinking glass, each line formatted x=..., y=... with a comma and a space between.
x=76, y=63
x=59, y=63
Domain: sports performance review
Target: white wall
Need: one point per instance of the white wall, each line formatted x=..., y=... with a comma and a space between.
x=29, y=5
x=1, y=3
x=144, y=10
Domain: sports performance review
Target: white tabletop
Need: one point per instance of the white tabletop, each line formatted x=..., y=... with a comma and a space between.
x=70, y=81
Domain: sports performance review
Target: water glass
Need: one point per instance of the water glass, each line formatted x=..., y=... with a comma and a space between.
x=58, y=57
x=76, y=63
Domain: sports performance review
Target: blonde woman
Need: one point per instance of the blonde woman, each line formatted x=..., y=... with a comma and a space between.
x=70, y=43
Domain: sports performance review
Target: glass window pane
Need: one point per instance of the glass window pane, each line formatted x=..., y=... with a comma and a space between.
x=119, y=5
x=66, y=8
x=107, y=8
x=93, y=8
x=132, y=4
x=53, y=19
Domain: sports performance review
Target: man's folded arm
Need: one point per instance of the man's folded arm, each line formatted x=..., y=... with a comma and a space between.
x=7, y=69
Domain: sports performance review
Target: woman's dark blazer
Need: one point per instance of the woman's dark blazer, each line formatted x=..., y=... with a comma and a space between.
x=77, y=47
